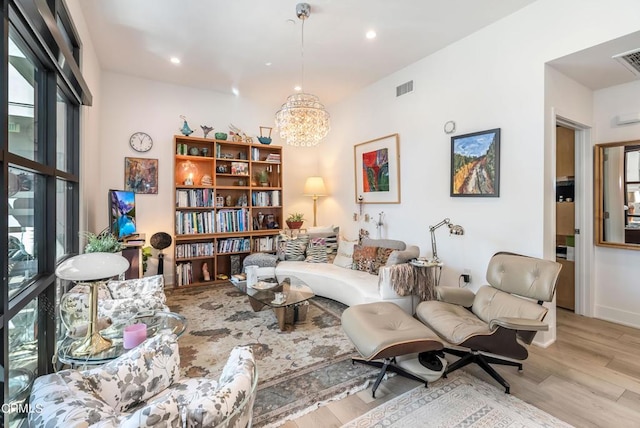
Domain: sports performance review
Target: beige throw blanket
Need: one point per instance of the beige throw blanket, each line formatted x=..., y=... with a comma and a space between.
x=407, y=279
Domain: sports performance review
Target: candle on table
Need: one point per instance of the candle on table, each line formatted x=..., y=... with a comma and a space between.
x=133, y=335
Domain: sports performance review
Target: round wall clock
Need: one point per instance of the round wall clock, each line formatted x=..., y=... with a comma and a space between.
x=450, y=127
x=141, y=142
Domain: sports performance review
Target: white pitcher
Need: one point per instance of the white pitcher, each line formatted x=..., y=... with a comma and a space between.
x=252, y=275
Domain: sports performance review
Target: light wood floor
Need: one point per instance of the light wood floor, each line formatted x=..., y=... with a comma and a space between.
x=590, y=377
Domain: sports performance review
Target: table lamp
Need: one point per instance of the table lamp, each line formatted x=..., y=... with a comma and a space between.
x=92, y=269
x=314, y=187
x=454, y=229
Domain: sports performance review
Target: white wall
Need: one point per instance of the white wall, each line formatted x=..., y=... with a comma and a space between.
x=90, y=164
x=493, y=78
x=131, y=104
x=617, y=271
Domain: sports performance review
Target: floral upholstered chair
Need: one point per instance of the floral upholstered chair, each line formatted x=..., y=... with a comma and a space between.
x=118, y=301
x=142, y=389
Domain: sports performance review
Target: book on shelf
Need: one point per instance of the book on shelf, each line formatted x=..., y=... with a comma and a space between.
x=273, y=158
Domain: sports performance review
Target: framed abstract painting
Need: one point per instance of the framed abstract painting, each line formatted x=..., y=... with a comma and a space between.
x=475, y=164
x=377, y=171
x=141, y=175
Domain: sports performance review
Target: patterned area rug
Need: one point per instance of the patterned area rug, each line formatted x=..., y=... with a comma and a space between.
x=299, y=369
x=461, y=400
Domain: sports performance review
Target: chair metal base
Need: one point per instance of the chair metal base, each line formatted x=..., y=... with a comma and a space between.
x=386, y=364
x=482, y=360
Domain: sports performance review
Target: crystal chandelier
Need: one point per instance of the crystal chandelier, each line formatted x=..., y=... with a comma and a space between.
x=302, y=120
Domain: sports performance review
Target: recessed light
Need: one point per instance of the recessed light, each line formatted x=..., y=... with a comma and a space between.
x=267, y=64
x=371, y=34
x=235, y=91
x=297, y=88
x=175, y=60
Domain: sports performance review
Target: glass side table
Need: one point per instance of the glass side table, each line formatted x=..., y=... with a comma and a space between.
x=155, y=321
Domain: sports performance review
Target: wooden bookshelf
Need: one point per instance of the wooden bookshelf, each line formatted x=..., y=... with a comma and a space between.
x=222, y=210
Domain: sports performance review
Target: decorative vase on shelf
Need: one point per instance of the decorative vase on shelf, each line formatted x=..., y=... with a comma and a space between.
x=185, y=127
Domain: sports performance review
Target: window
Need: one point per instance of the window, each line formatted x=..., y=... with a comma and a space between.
x=40, y=162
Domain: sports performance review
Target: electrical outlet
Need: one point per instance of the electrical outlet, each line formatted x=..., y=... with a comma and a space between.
x=355, y=216
x=366, y=217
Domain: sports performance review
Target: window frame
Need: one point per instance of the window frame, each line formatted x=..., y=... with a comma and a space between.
x=30, y=21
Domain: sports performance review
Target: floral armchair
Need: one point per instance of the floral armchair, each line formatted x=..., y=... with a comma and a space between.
x=142, y=389
x=118, y=302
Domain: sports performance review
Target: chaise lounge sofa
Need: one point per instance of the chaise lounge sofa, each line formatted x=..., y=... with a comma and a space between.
x=338, y=279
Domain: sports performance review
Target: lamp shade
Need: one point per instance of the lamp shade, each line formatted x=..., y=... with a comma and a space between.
x=314, y=186
x=92, y=266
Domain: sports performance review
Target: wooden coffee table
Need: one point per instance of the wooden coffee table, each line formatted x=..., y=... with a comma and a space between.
x=287, y=312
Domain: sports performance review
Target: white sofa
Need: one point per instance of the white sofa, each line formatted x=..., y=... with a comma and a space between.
x=349, y=286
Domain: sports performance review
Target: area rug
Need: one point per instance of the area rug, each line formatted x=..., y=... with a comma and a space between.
x=461, y=400
x=299, y=369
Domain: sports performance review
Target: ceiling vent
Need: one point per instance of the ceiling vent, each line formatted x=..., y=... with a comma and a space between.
x=405, y=88
x=630, y=60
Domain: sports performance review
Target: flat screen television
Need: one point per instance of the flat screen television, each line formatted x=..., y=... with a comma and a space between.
x=122, y=213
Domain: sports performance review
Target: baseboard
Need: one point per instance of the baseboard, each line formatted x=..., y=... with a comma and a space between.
x=544, y=344
x=631, y=319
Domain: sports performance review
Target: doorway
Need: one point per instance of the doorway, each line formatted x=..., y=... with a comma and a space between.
x=565, y=216
x=583, y=271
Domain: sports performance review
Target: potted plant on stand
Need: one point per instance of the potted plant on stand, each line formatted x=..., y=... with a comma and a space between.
x=295, y=220
x=103, y=242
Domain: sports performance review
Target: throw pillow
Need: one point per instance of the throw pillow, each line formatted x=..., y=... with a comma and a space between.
x=344, y=256
x=382, y=254
x=363, y=258
x=317, y=251
x=331, y=236
x=398, y=256
x=294, y=250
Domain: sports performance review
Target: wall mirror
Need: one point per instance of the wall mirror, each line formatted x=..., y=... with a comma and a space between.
x=617, y=194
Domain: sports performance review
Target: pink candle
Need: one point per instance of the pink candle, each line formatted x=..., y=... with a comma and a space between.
x=133, y=335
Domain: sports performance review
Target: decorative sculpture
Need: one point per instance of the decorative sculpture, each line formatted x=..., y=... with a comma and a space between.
x=205, y=272
x=238, y=135
x=185, y=127
x=206, y=129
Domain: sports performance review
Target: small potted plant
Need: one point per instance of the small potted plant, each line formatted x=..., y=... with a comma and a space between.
x=104, y=242
x=295, y=220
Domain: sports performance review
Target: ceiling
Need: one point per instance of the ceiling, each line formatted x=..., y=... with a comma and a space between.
x=225, y=44
x=595, y=67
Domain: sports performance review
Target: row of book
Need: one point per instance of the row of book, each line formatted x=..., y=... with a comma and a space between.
x=266, y=243
x=194, y=198
x=196, y=249
x=266, y=199
x=191, y=222
x=184, y=274
x=234, y=245
x=232, y=220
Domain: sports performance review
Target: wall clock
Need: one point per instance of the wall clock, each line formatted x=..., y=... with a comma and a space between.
x=141, y=142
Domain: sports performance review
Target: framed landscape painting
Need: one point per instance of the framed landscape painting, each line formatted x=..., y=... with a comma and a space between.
x=377, y=171
x=141, y=175
x=475, y=164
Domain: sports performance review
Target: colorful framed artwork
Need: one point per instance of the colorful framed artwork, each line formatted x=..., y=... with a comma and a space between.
x=377, y=171
x=475, y=164
x=141, y=175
